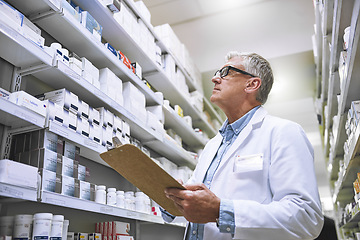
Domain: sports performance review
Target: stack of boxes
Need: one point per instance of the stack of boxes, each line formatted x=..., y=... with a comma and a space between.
x=57, y=161
x=134, y=101
x=352, y=121
x=111, y=85
x=21, y=24
x=114, y=230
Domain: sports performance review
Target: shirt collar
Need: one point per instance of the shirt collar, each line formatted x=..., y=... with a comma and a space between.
x=239, y=124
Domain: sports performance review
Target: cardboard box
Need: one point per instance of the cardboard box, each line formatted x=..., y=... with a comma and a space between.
x=94, y=116
x=106, y=117
x=18, y=174
x=48, y=180
x=66, y=185
x=120, y=228
x=28, y=101
x=54, y=113
x=91, y=24
x=45, y=159
x=64, y=98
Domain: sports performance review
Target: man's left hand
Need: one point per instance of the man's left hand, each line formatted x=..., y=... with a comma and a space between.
x=197, y=203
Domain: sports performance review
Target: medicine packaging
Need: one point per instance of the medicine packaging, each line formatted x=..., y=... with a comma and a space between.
x=94, y=116
x=54, y=113
x=28, y=101
x=64, y=98
x=134, y=99
x=18, y=174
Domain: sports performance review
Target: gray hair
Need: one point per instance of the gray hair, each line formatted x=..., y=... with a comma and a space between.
x=258, y=66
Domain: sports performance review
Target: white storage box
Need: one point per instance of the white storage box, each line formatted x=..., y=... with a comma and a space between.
x=48, y=180
x=106, y=117
x=64, y=98
x=28, y=101
x=19, y=174
x=134, y=101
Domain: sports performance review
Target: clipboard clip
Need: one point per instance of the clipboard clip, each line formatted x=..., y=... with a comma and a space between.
x=116, y=143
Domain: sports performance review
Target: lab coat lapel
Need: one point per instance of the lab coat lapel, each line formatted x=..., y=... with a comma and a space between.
x=209, y=155
x=244, y=134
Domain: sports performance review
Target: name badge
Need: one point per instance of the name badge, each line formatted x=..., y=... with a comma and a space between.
x=248, y=163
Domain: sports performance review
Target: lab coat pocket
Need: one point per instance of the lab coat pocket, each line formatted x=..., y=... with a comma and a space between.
x=248, y=163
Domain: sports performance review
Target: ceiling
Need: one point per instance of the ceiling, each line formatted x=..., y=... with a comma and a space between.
x=279, y=30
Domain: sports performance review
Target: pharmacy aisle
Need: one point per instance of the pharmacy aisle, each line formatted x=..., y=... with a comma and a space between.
x=336, y=51
x=68, y=86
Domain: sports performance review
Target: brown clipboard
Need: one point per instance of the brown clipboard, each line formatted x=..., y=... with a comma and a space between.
x=144, y=173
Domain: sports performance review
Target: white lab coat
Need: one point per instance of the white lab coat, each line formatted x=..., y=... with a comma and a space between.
x=276, y=197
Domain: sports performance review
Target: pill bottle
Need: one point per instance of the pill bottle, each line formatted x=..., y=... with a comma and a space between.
x=100, y=194
x=120, y=199
x=42, y=226
x=129, y=200
x=111, y=196
x=65, y=229
x=22, y=226
x=57, y=227
x=6, y=225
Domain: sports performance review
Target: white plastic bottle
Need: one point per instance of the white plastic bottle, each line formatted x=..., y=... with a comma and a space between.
x=22, y=226
x=42, y=226
x=111, y=196
x=57, y=227
x=100, y=194
x=120, y=199
x=65, y=229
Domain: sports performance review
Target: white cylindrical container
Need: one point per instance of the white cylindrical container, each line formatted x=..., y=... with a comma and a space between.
x=42, y=226
x=120, y=199
x=100, y=194
x=57, y=227
x=65, y=229
x=111, y=196
x=129, y=200
x=346, y=37
x=6, y=225
x=22, y=226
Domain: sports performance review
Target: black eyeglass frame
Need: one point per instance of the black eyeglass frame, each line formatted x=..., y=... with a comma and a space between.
x=228, y=68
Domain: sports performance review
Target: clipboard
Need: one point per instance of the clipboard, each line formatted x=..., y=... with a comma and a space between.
x=144, y=173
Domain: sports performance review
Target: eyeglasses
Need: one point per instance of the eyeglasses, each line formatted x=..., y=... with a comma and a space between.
x=225, y=71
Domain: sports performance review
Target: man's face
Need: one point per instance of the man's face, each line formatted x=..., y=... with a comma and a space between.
x=229, y=90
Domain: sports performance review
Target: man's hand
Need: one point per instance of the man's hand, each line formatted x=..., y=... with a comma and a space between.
x=197, y=203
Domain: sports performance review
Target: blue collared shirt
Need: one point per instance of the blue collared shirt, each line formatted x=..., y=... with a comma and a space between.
x=229, y=133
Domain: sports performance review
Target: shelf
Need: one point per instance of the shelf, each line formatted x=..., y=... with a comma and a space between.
x=18, y=50
x=355, y=218
x=185, y=131
x=175, y=96
x=116, y=35
x=90, y=206
x=154, y=74
x=173, y=152
x=18, y=192
x=340, y=137
x=31, y=194
x=344, y=190
x=88, y=148
x=76, y=38
x=62, y=76
x=327, y=17
x=16, y=116
x=352, y=83
x=189, y=81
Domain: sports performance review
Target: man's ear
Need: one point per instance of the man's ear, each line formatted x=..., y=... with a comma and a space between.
x=253, y=84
